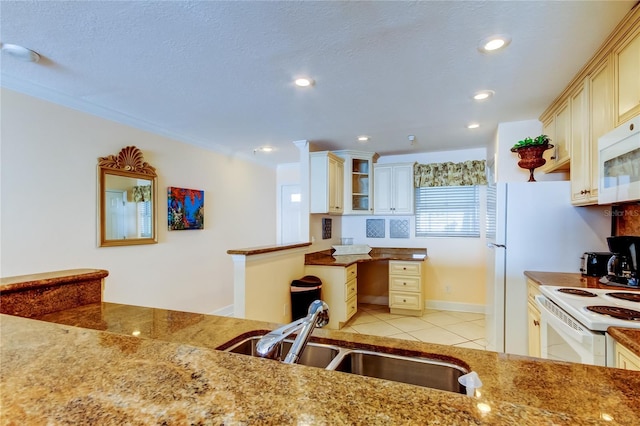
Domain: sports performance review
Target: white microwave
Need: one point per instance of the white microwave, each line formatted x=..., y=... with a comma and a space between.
x=619, y=163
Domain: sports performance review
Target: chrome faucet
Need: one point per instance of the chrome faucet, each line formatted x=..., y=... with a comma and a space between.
x=269, y=346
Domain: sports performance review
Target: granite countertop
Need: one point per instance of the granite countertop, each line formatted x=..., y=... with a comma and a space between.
x=250, y=251
x=628, y=337
x=326, y=257
x=32, y=281
x=169, y=372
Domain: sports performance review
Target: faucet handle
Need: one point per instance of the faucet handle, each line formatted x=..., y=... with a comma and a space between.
x=322, y=310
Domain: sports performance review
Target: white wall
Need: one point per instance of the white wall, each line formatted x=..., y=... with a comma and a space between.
x=49, y=155
x=507, y=169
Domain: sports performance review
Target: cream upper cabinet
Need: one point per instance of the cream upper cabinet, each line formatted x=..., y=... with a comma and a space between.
x=626, y=66
x=580, y=145
x=600, y=119
x=558, y=128
x=327, y=183
x=358, y=181
x=393, y=189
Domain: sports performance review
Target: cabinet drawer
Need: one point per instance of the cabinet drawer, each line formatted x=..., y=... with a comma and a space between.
x=352, y=306
x=350, y=289
x=401, y=283
x=405, y=300
x=404, y=268
x=351, y=271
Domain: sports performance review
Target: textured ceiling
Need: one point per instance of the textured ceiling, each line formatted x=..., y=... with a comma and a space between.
x=219, y=74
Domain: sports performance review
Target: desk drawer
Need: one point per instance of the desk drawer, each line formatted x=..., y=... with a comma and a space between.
x=401, y=283
x=352, y=271
x=404, y=268
x=351, y=289
x=405, y=300
x=352, y=307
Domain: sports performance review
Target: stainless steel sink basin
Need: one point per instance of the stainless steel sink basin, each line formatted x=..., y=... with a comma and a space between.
x=430, y=373
x=314, y=354
x=425, y=372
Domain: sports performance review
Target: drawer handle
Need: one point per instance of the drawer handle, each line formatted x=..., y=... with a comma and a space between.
x=404, y=300
x=536, y=323
x=404, y=268
x=404, y=283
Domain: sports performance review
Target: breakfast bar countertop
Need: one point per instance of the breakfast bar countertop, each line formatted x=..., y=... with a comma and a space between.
x=121, y=364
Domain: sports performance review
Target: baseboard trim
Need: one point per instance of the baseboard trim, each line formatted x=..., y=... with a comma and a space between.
x=454, y=306
x=225, y=311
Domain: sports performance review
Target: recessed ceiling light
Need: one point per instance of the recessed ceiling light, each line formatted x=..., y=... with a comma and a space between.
x=304, y=82
x=483, y=95
x=265, y=148
x=363, y=138
x=493, y=43
x=21, y=53
x=473, y=126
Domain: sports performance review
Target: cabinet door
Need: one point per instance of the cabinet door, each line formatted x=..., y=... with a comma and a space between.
x=382, y=189
x=549, y=129
x=336, y=185
x=600, y=119
x=563, y=134
x=533, y=326
x=403, y=193
x=580, y=152
x=625, y=359
x=626, y=60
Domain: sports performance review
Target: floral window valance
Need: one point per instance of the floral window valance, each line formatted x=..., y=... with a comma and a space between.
x=467, y=173
x=141, y=193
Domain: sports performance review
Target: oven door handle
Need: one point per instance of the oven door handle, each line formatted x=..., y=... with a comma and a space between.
x=575, y=332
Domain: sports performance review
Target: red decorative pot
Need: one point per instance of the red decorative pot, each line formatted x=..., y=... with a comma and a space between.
x=531, y=157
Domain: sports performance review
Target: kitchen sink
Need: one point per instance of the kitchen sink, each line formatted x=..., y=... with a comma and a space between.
x=314, y=354
x=425, y=372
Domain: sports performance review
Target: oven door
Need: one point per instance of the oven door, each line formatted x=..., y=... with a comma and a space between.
x=564, y=339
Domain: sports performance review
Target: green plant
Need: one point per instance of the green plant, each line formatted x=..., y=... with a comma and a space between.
x=538, y=140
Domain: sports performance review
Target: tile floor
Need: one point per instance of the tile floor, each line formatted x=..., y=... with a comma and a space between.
x=444, y=327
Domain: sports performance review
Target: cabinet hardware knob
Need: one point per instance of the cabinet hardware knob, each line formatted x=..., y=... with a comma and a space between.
x=404, y=283
x=404, y=300
x=536, y=323
x=553, y=158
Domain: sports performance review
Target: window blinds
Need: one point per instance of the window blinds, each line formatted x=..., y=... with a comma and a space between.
x=448, y=211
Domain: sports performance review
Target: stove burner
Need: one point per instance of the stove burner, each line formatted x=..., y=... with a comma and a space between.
x=616, y=312
x=577, y=292
x=631, y=297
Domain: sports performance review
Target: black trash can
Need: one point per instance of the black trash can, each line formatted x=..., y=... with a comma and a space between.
x=303, y=292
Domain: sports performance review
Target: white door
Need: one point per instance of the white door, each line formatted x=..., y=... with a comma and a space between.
x=290, y=214
x=114, y=215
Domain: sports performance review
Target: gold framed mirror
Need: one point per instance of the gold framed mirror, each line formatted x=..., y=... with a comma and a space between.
x=127, y=199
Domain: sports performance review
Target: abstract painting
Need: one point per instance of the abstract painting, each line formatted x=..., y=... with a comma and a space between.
x=186, y=208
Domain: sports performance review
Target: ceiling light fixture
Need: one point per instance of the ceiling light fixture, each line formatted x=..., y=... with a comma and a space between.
x=473, y=126
x=304, y=82
x=265, y=148
x=363, y=138
x=494, y=43
x=483, y=95
x=19, y=52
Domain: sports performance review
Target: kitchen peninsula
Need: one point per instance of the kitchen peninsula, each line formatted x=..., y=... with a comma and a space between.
x=107, y=363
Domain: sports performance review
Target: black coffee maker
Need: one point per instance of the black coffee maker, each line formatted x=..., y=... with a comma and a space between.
x=622, y=268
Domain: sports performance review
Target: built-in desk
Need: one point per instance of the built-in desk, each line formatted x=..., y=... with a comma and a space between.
x=397, y=276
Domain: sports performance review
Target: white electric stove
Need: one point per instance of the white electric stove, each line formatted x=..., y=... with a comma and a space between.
x=574, y=321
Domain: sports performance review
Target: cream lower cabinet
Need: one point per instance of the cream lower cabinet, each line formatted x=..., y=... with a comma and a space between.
x=339, y=291
x=406, y=287
x=533, y=319
x=626, y=359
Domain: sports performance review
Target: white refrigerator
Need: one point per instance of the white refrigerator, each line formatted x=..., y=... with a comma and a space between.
x=532, y=226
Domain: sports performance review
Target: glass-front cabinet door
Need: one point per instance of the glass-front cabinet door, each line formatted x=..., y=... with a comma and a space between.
x=358, y=181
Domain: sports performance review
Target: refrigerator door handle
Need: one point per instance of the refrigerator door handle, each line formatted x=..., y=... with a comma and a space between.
x=494, y=245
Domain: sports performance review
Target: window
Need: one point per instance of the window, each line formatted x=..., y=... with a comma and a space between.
x=144, y=219
x=448, y=211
